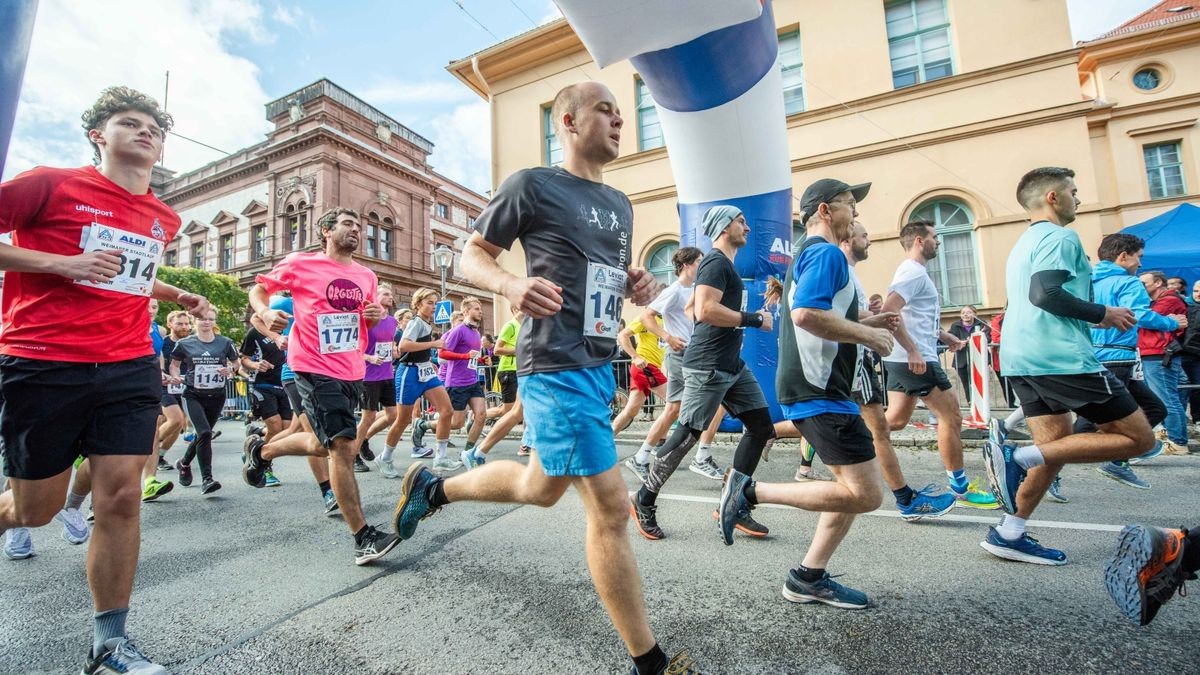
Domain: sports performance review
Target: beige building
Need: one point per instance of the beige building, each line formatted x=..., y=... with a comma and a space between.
x=942, y=104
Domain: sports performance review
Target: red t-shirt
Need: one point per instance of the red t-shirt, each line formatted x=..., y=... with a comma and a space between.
x=50, y=317
x=329, y=332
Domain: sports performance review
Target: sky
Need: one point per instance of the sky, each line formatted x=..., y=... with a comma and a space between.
x=227, y=58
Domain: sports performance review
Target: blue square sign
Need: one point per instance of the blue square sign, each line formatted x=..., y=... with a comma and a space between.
x=441, y=315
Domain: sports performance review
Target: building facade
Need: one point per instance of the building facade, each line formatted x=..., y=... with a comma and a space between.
x=941, y=104
x=243, y=213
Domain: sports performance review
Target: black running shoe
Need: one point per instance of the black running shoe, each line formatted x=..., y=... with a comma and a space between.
x=216, y=434
x=365, y=451
x=418, y=433
x=256, y=430
x=359, y=465
x=645, y=519
x=734, y=509
x=210, y=486
x=254, y=469
x=185, y=473
x=164, y=465
x=374, y=545
x=680, y=664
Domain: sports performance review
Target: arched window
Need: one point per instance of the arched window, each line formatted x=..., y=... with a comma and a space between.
x=658, y=262
x=955, y=269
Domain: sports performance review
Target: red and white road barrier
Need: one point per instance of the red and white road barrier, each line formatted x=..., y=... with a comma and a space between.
x=981, y=407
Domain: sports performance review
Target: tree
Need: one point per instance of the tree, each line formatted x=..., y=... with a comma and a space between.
x=221, y=290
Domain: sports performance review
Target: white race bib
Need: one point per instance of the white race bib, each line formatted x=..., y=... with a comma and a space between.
x=602, y=303
x=207, y=377
x=1137, y=372
x=338, y=332
x=426, y=372
x=383, y=350
x=251, y=375
x=175, y=388
x=473, y=363
x=140, y=257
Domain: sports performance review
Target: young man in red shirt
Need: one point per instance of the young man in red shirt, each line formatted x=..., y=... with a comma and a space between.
x=87, y=241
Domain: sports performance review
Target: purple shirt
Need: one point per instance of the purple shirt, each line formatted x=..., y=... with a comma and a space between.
x=379, y=343
x=461, y=340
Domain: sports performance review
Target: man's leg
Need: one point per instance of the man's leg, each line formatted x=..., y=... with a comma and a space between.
x=855, y=490
x=944, y=405
x=478, y=407
x=900, y=409
x=169, y=431
x=885, y=453
x=1164, y=382
x=502, y=426
x=508, y=482
x=116, y=537
x=381, y=423
x=861, y=481
x=632, y=406
x=342, y=452
x=33, y=503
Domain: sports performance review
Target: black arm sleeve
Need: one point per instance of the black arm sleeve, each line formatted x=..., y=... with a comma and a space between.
x=1046, y=292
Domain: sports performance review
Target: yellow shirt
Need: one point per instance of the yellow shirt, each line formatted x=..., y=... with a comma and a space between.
x=647, y=343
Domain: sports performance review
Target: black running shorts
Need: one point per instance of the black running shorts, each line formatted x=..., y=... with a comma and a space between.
x=460, y=397
x=838, y=438
x=268, y=400
x=1097, y=397
x=330, y=404
x=379, y=394
x=901, y=379
x=508, y=385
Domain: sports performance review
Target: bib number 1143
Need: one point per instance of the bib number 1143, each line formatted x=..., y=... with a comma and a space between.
x=605, y=293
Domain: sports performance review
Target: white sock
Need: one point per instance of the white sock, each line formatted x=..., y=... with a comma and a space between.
x=703, y=452
x=1014, y=418
x=1011, y=528
x=387, y=453
x=1028, y=457
x=643, y=454
x=479, y=454
x=441, y=447
x=74, y=501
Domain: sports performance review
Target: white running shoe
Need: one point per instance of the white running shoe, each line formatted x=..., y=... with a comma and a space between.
x=386, y=468
x=812, y=474
x=75, y=527
x=708, y=468
x=446, y=464
x=18, y=544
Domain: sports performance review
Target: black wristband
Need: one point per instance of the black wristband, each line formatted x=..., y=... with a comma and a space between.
x=752, y=320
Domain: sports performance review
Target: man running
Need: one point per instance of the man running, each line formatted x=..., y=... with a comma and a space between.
x=461, y=355
x=152, y=487
x=817, y=366
x=87, y=242
x=645, y=370
x=506, y=369
x=379, y=387
x=913, y=370
x=1053, y=368
x=713, y=372
x=334, y=299
x=576, y=234
x=262, y=357
x=179, y=325
x=206, y=360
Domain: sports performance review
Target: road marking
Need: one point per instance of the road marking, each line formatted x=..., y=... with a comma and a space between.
x=987, y=520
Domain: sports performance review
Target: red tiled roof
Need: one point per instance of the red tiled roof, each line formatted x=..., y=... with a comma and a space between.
x=1167, y=12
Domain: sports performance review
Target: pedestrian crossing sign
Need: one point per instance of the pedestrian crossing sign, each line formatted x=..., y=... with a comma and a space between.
x=442, y=314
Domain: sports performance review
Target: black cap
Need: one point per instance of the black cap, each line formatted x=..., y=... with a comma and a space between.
x=822, y=191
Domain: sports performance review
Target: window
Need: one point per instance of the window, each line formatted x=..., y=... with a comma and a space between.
x=1147, y=79
x=552, y=153
x=1164, y=170
x=659, y=262
x=791, y=64
x=198, y=254
x=297, y=221
x=372, y=233
x=471, y=222
x=260, y=242
x=649, y=130
x=442, y=211
x=227, y=251
x=919, y=41
x=385, y=240
x=171, y=257
x=954, y=269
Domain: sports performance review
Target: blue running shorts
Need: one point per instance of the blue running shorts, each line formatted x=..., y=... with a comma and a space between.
x=569, y=420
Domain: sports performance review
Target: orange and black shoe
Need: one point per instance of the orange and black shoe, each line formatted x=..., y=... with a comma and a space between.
x=1146, y=570
x=746, y=525
x=645, y=519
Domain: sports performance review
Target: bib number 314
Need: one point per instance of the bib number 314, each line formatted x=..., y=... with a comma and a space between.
x=605, y=293
x=139, y=254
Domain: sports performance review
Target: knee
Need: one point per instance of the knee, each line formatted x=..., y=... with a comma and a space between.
x=540, y=496
x=895, y=425
x=953, y=417
x=35, y=515
x=612, y=517
x=868, y=498
x=123, y=502
x=1143, y=439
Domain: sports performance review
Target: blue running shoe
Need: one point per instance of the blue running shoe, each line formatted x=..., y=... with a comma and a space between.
x=471, y=460
x=1149, y=454
x=190, y=436
x=18, y=544
x=824, y=590
x=269, y=479
x=1120, y=472
x=926, y=504
x=419, y=452
x=1026, y=549
x=1056, y=492
x=1004, y=474
x=413, y=506
x=997, y=432
x=331, y=505
x=733, y=506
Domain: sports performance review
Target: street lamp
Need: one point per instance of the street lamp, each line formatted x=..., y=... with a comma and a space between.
x=442, y=257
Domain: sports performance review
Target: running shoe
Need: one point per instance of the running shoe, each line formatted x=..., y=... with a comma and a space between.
x=470, y=460
x=189, y=436
x=154, y=488
x=1004, y=474
x=185, y=473
x=210, y=486
x=451, y=444
x=926, y=504
x=1056, y=492
x=646, y=519
x=418, y=433
x=766, y=451
x=421, y=453
x=254, y=467
x=1024, y=549
x=1149, y=454
x=997, y=431
x=810, y=473
x=734, y=508
x=216, y=434
x=331, y=505
x=413, y=505
x=1120, y=472
x=824, y=590
x=975, y=498
x=446, y=464
x=18, y=543
x=386, y=468
x=366, y=452
x=1146, y=570
x=640, y=470
x=164, y=465
x=75, y=528
x=256, y=430
x=374, y=545
x=120, y=655
x=680, y=664
x=359, y=465
x=524, y=451
x=747, y=525
x=708, y=468
x=269, y=479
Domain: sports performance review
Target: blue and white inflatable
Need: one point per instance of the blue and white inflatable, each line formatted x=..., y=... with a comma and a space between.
x=711, y=66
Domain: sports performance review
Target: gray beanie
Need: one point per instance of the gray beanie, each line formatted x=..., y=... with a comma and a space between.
x=717, y=218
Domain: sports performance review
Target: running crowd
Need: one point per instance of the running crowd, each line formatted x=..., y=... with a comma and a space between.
x=327, y=352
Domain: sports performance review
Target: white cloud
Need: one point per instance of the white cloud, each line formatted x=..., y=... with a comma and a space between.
x=78, y=49
x=294, y=17
x=432, y=93
x=1092, y=18
x=463, y=145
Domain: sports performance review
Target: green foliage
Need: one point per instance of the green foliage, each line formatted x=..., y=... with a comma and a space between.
x=221, y=290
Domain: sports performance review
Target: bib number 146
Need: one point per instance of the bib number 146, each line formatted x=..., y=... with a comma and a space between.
x=605, y=293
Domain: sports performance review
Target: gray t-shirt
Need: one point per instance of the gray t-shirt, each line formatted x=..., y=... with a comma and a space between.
x=200, y=361
x=576, y=233
x=417, y=331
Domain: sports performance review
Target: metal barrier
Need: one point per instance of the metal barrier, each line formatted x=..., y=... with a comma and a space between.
x=237, y=399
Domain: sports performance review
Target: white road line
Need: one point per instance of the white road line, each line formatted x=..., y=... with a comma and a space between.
x=987, y=520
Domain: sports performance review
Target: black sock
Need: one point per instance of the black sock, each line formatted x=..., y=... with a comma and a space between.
x=810, y=575
x=652, y=662
x=358, y=536
x=437, y=494
x=904, y=495
x=749, y=492
x=1191, y=550
x=646, y=497
x=324, y=487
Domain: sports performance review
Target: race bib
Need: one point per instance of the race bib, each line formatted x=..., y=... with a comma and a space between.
x=251, y=375
x=1137, y=373
x=140, y=257
x=473, y=363
x=383, y=350
x=338, y=332
x=602, y=303
x=175, y=388
x=426, y=372
x=207, y=377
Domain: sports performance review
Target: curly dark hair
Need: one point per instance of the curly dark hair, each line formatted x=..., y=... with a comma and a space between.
x=115, y=100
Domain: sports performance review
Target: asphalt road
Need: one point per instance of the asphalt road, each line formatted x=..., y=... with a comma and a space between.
x=260, y=581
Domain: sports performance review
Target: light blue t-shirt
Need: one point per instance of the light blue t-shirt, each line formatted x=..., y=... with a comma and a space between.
x=285, y=303
x=1037, y=342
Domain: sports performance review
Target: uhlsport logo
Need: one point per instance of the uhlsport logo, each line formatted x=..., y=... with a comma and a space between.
x=344, y=295
x=157, y=230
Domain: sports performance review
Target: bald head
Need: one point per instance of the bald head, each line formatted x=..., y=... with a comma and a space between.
x=571, y=98
x=587, y=123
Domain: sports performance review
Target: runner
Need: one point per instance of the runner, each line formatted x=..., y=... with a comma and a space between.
x=334, y=299
x=645, y=370
x=713, y=372
x=179, y=323
x=264, y=361
x=575, y=232
x=206, y=360
x=1048, y=275
x=379, y=388
x=818, y=359
x=460, y=354
x=913, y=370
x=416, y=378
x=506, y=369
x=152, y=487
x=87, y=242
x=1149, y=565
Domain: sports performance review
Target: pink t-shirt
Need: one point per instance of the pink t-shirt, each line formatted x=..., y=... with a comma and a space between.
x=329, y=332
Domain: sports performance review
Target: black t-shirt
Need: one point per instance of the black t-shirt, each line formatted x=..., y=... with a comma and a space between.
x=417, y=331
x=168, y=346
x=576, y=233
x=200, y=361
x=714, y=347
x=261, y=348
